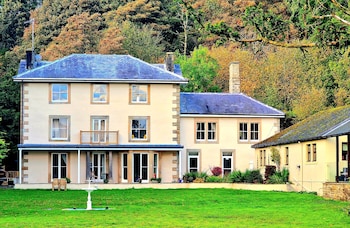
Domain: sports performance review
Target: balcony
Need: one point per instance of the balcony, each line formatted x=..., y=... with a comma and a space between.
x=99, y=137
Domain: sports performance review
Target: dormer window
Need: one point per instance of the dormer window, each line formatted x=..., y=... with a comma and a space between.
x=139, y=94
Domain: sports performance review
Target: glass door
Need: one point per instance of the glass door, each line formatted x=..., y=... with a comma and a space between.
x=140, y=168
x=99, y=128
x=98, y=166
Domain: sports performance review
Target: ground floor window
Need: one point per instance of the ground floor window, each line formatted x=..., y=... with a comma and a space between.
x=124, y=167
x=155, y=166
x=59, y=165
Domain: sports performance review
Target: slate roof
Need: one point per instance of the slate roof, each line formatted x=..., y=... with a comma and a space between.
x=325, y=124
x=224, y=104
x=95, y=67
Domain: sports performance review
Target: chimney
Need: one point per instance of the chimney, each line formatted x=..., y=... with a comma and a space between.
x=234, y=80
x=29, y=59
x=169, y=61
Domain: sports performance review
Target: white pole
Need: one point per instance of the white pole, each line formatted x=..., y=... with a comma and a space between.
x=78, y=166
x=20, y=165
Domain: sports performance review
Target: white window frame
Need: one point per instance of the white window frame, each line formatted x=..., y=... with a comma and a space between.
x=56, y=130
x=58, y=91
x=136, y=130
x=100, y=93
x=212, y=131
x=124, y=166
x=155, y=165
x=254, y=131
x=139, y=93
x=243, y=131
x=200, y=131
x=99, y=126
x=59, y=165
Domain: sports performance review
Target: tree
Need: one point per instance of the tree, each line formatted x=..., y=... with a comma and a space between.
x=80, y=35
x=200, y=69
x=142, y=42
x=9, y=108
x=276, y=157
x=13, y=15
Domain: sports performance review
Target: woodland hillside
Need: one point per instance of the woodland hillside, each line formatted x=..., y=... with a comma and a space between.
x=294, y=55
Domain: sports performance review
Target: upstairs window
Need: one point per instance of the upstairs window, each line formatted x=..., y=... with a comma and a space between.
x=249, y=132
x=243, y=131
x=59, y=93
x=206, y=132
x=59, y=128
x=308, y=151
x=100, y=93
x=139, y=94
x=139, y=128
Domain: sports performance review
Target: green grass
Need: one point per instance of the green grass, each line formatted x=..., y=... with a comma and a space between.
x=170, y=208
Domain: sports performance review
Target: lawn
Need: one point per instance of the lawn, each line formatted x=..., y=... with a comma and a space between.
x=170, y=208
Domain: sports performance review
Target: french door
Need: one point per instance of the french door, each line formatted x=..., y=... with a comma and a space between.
x=99, y=166
x=99, y=126
x=59, y=165
x=140, y=167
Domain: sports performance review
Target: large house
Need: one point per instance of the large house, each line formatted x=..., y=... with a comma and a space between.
x=119, y=118
x=315, y=151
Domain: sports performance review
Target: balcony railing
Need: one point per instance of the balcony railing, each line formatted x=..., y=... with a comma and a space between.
x=98, y=137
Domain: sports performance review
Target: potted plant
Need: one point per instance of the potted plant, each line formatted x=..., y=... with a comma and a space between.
x=68, y=180
x=156, y=180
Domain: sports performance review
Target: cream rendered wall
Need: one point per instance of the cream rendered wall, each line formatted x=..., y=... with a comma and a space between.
x=38, y=168
x=228, y=130
x=309, y=176
x=38, y=109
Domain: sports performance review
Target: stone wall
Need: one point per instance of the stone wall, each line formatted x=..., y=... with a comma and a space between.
x=337, y=191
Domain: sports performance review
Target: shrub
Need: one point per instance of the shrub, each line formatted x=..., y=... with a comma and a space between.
x=202, y=175
x=214, y=179
x=252, y=176
x=236, y=176
x=275, y=179
x=216, y=171
x=279, y=177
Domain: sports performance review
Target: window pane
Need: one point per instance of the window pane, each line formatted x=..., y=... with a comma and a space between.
x=139, y=129
x=99, y=93
x=211, y=131
x=59, y=92
x=59, y=128
x=243, y=131
x=200, y=134
x=254, y=131
x=139, y=93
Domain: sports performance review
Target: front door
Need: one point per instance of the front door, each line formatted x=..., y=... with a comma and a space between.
x=140, y=163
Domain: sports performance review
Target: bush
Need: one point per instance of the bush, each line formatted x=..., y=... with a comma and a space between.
x=236, y=176
x=252, y=176
x=214, y=179
x=216, y=171
x=278, y=177
x=275, y=179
